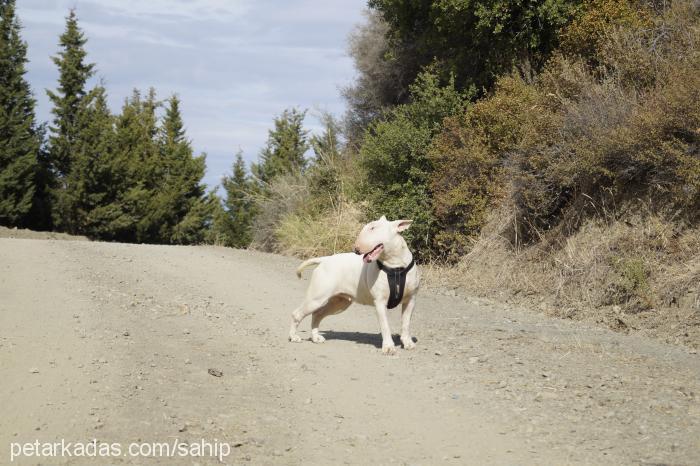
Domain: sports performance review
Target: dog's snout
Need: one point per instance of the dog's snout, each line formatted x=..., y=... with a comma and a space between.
x=357, y=251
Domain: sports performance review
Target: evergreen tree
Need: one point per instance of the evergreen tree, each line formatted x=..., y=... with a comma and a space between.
x=233, y=223
x=325, y=172
x=40, y=216
x=89, y=186
x=19, y=138
x=74, y=72
x=135, y=167
x=159, y=195
x=181, y=208
x=285, y=149
x=326, y=146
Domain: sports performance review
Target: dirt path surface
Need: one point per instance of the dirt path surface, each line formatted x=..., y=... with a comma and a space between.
x=115, y=342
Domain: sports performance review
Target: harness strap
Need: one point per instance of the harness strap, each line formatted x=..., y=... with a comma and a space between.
x=397, y=282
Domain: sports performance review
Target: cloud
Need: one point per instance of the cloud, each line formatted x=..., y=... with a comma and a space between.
x=170, y=11
x=131, y=34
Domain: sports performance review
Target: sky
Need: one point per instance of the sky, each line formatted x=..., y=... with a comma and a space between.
x=235, y=64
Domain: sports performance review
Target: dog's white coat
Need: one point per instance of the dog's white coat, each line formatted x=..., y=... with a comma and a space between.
x=342, y=279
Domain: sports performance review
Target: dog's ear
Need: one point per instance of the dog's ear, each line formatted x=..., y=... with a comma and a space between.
x=402, y=225
x=383, y=218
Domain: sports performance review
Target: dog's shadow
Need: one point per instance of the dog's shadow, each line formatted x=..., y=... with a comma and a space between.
x=362, y=338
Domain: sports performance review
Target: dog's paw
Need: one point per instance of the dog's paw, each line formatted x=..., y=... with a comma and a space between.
x=295, y=338
x=317, y=339
x=389, y=349
x=408, y=343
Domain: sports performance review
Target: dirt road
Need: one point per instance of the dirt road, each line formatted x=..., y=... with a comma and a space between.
x=115, y=342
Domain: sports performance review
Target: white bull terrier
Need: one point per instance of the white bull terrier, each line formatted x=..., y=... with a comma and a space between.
x=380, y=254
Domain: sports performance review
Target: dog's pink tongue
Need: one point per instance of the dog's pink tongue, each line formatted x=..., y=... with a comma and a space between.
x=373, y=254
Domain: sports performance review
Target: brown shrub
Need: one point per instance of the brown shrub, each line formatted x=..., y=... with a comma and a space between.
x=639, y=53
x=587, y=35
x=469, y=159
x=574, y=136
x=612, y=141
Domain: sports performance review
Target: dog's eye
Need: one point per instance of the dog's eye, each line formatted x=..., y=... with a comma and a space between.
x=371, y=228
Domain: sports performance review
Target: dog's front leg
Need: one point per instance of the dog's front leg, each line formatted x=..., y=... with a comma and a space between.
x=387, y=341
x=406, y=312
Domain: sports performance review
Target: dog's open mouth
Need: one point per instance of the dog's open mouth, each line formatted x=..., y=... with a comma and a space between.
x=373, y=254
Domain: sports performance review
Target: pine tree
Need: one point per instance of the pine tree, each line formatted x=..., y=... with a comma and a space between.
x=74, y=73
x=325, y=171
x=183, y=208
x=285, y=149
x=134, y=170
x=40, y=216
x=19, y=138
x=89, y=186
x=234, y=221
x=326, y=146
x=159, y=195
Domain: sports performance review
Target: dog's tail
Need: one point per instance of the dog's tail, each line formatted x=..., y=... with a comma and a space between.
x=307, y=263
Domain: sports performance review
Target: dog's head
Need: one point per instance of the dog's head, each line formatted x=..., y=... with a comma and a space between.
x=373, y=236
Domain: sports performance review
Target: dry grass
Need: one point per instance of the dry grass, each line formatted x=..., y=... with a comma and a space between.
x=636, y=271
x=296, y=218
x=286, y=195
x=312, y=235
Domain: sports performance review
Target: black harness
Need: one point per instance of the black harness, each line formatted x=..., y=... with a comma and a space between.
x=397, y=282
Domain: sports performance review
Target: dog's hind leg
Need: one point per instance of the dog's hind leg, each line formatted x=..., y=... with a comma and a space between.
x=335, y=305
x=306, y=308
x=316, y=319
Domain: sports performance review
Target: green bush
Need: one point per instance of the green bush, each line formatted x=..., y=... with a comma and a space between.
x=631, y=287
x=395, y=162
